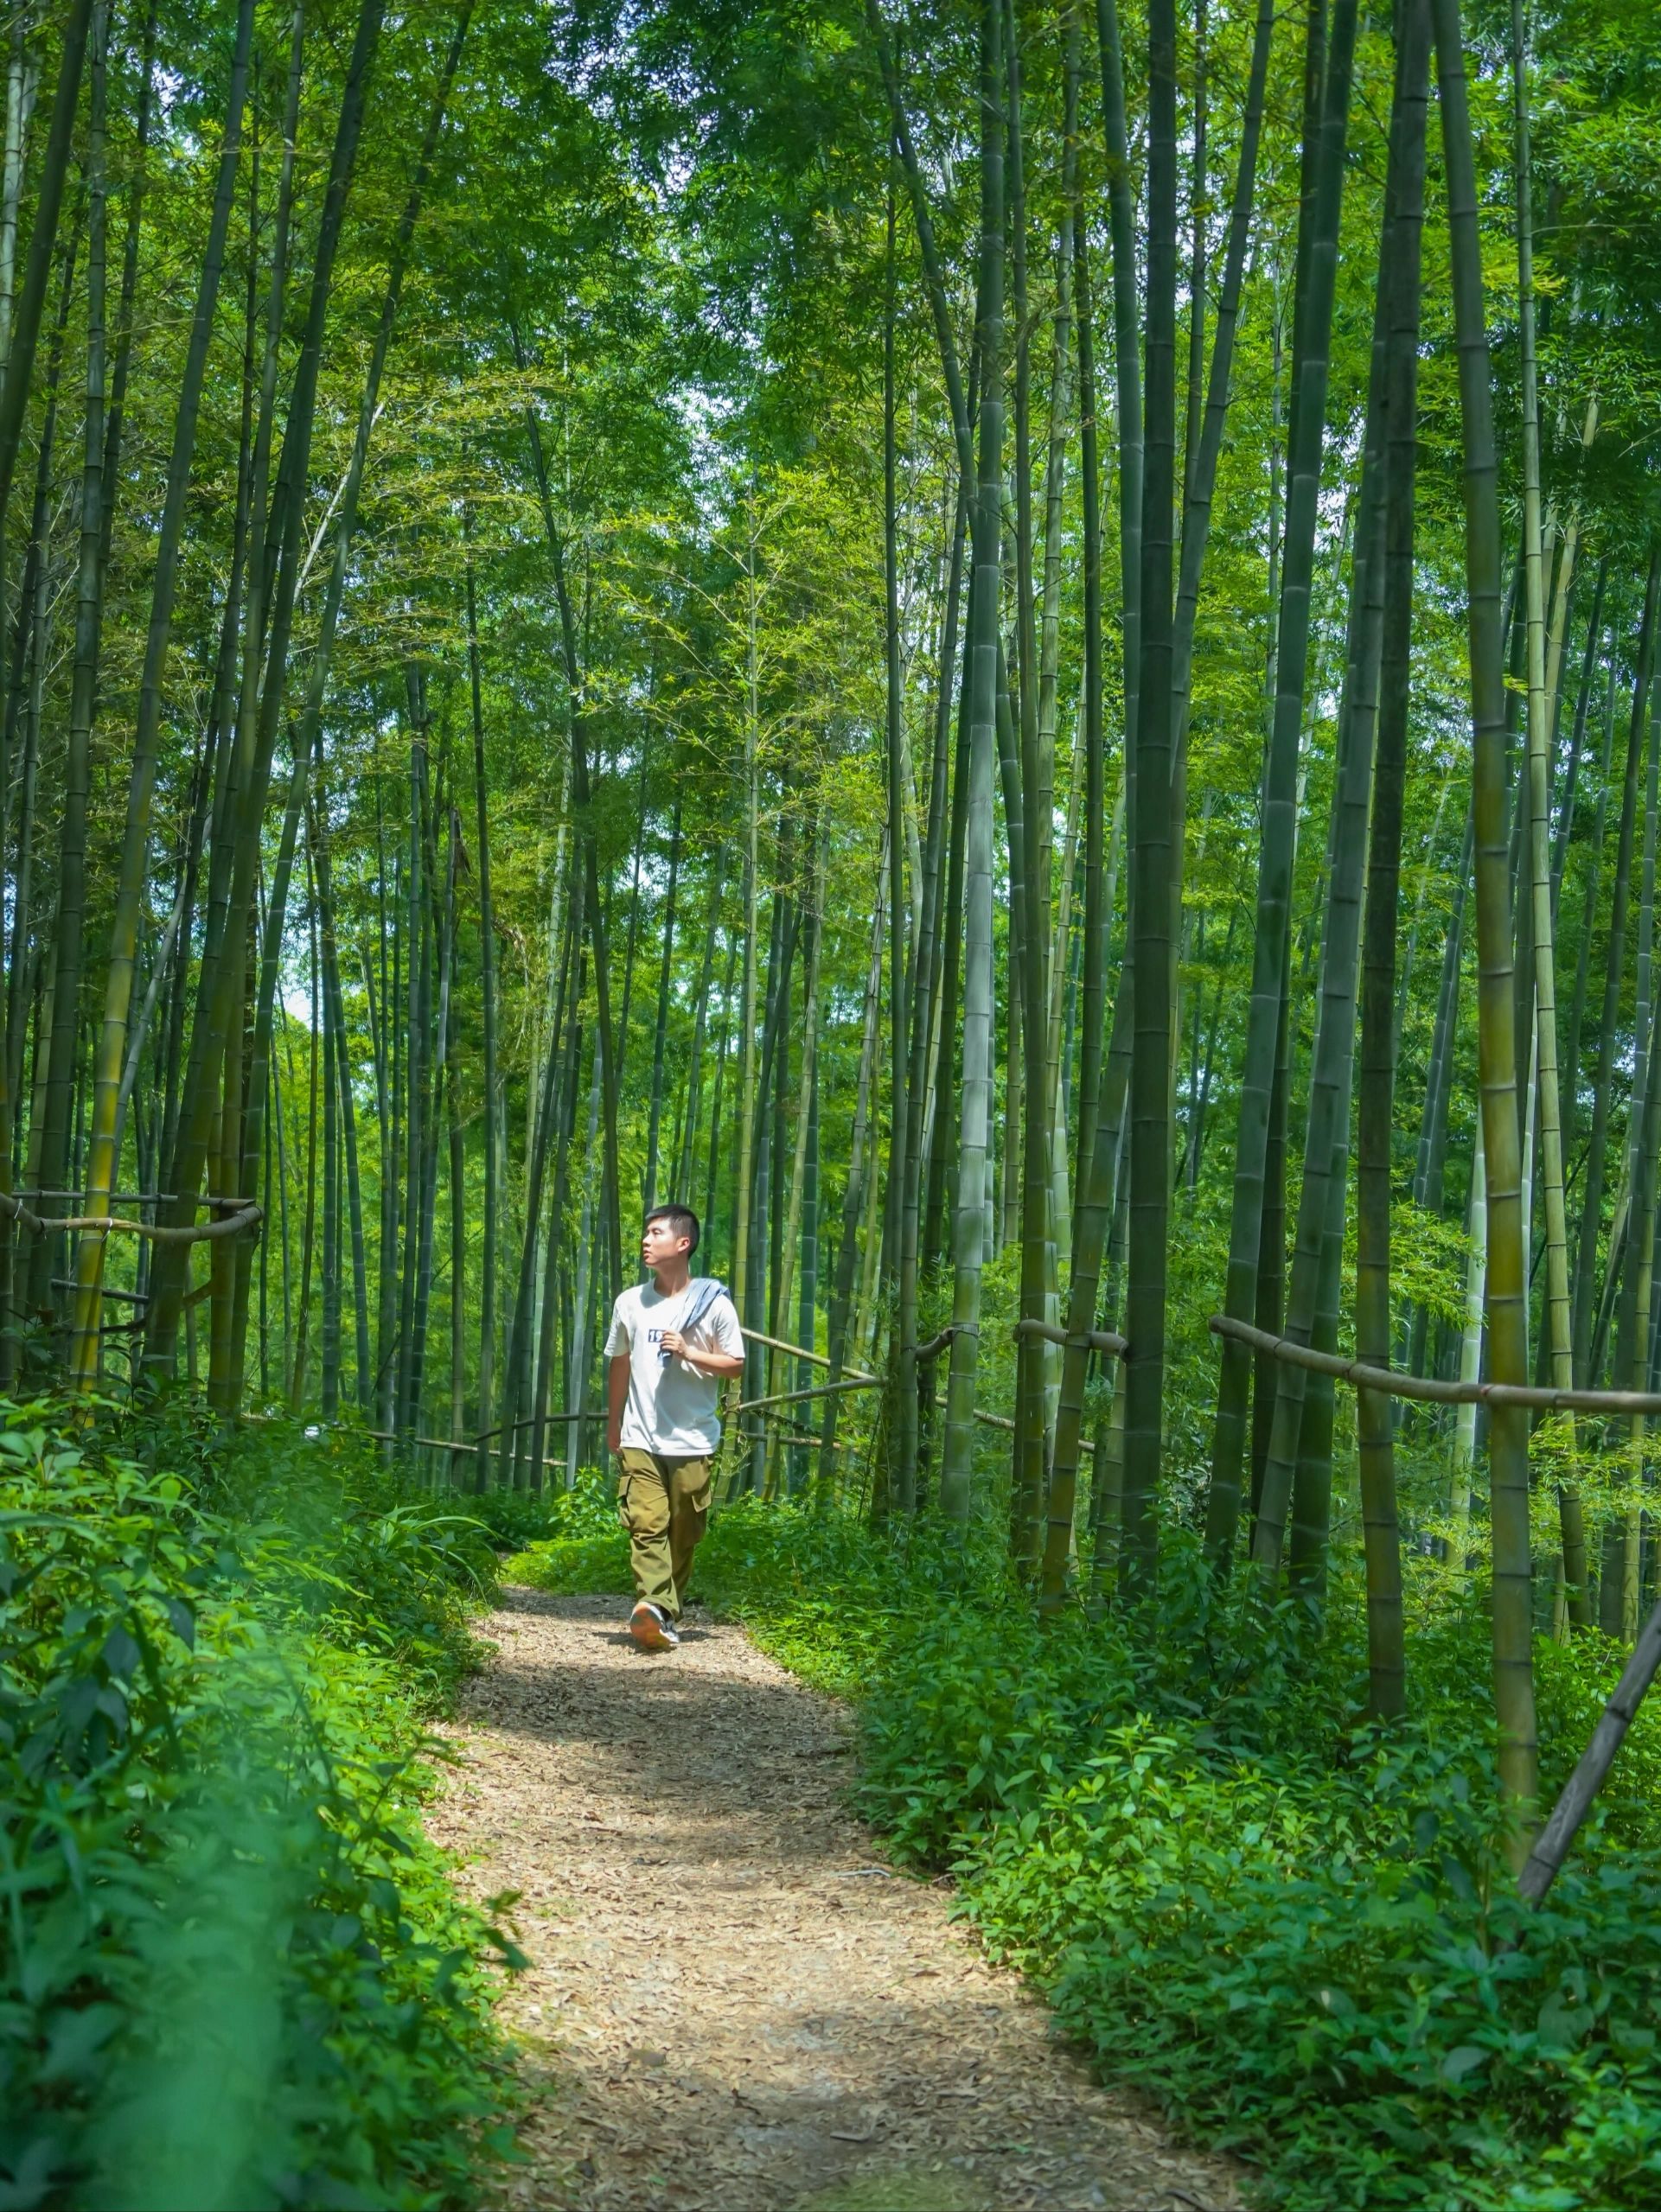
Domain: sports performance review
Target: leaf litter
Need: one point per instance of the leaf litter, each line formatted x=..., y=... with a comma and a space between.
x=730, y=2007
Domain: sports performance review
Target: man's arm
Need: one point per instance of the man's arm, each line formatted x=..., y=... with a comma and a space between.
x=616, y=1395
x=722, y=1357
x=701, y=1361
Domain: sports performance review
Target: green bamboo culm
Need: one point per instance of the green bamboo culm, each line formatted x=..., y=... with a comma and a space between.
x=969, y=1232
x=1036, y=769
x=1265, y=1017
x=1386, y=1636
x=111, y=1046
x=1507, y=1282
x=1152, y=831
x=219, y=993
x=1297, y=1474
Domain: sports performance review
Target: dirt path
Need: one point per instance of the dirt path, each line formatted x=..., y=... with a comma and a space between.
x=734, y=2005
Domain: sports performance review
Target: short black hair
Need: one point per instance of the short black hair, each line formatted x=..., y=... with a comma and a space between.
x=681, y=1220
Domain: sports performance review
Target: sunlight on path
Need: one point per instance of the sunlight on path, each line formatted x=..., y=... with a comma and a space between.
x=733, y=2005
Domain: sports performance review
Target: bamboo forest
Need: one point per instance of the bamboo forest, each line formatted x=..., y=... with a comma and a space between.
x=974, y=682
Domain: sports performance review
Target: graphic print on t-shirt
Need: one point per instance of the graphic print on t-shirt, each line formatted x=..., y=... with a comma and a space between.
x=671, y=1407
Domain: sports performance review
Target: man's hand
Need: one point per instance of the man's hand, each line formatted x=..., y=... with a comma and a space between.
x=614, y=1437
x=705, y=1363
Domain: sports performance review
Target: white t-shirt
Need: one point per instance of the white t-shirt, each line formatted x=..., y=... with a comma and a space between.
x=671, y=1406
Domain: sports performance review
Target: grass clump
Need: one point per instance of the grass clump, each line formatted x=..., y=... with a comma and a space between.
x=1294, y=1932
x=232, y=1969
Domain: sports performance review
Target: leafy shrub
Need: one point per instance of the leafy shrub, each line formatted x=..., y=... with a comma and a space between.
x=233, y=1970
x=1315, y=1958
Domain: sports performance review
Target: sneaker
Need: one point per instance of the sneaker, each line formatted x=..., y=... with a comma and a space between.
x=652, y=1629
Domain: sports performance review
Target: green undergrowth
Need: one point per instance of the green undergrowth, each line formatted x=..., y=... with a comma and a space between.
x=232, y=1969
x=1293, y=1932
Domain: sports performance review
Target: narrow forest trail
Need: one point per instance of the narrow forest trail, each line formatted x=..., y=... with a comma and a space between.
x=733, y=2005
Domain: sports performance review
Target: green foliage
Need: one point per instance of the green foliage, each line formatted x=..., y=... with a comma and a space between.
x=1296, y=1933
x=1300, y=1940
x=233, y=1970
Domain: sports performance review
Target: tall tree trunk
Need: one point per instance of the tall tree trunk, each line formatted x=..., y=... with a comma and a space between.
x=417, y=1049
x=308, y=740
x=102, y=1166
x=687, y=1149
x=1312, y=344
x=1576, y=749
x=518, y=1375
x=20, y=73
x=923, y=1133
x=1152, y=831
x=1386, y=1641
x=660, y=1025
x=902, y=1409
x=323, y=1016
x=1588, y=914
x=334, y=1013
x=1127, y=358
x=70, y=933
x=493, y=1099
x=1558, y=1329
x=298, y=1378
x=1205, y=444
x=56, y=163
x=1298, y=1468
x=1037, y=769
x=1507, y=1286
x=957, y=1458
x=853, y=1192
x=257, y=743
x=794, y=1212
x=1592, y=1199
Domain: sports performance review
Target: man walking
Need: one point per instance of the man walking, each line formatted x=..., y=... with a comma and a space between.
x=673, y=1341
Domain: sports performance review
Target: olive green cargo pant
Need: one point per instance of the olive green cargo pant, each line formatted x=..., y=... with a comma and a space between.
x=663, y=1503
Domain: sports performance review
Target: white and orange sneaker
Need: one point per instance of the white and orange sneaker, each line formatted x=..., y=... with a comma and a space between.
x=651, y=1628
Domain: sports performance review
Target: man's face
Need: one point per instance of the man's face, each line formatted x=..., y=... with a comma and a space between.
x=659, y=1244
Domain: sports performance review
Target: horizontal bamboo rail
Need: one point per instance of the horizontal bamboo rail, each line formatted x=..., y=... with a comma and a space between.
x=468, y=1443
x=1094, y=1339
x=800, y=1352
x=824, y=1390
x=137, y=1197
x=456, y=1443
x=853, y=1378
x=102, y=1224
x=1426, y=1388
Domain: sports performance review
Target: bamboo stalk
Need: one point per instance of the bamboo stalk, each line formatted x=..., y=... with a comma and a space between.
x=70, y=934
x=493, y=1099
x=902, y=1410
x=1508, y=1449
x=956, y=1469
x=1558, y=1320
x=1153, y=830
x=257, y=740
x=1591, y=1197
x=1386, y=1637
x=1250, y=1232
x=55, y=168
